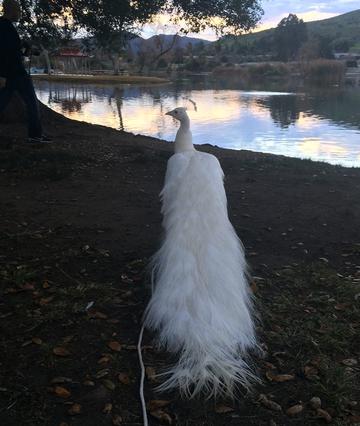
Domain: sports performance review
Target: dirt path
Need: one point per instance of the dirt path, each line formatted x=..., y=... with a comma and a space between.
x=79, y=221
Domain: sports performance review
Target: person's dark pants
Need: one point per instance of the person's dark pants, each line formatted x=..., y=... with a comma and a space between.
x=24, y=86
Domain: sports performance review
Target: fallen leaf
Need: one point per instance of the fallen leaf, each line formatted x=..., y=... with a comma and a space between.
x=68, y=339
x=150, y=373
x=279, y=378
x=61, y=392
x=75, y=409
x=104, y=360
x=350, y=362
x=28, y=287
x=96, y=314
x=310, y=371
x=269, y=365
x=115, y=346
x=324, y=415
x=222, y=409
x=154, y=404
x=295, y=409
x=102, y=373
x=37, y=340
x=254, y=287
x=11, y=290
x=61, y=351
x=124, y=378
x=161, y=416
x=60, y=379
x=108, y=408
x=116, y=420
x=45, y=300
x=341, y=306
x=88, y=383
x=109, y=384
x=272, y=405
x=46, y=284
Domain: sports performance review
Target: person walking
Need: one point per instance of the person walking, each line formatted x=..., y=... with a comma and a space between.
x=13, y=70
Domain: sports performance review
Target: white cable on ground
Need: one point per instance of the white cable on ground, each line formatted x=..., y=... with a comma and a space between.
x=142, y=378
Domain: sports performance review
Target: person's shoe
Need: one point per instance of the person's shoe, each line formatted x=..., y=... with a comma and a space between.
x=39, y=140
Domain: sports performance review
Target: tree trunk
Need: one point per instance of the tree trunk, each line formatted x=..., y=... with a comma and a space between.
x=45, y=52
x=115, y=59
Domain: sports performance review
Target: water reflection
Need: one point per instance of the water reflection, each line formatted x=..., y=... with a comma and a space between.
x=318, y=125
x=284, y=110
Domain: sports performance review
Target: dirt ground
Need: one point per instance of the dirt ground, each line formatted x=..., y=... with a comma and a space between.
x=79, y=221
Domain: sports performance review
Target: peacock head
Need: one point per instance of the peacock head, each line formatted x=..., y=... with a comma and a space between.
x=179, y=114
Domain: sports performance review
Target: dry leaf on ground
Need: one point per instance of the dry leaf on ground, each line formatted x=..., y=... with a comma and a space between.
x=279, y=378
x=75, y=409
x=161, y=416
x=115, y=346
x=61, y=392
x=150, y=373
x=61, y=351
x=108, y=408
x=268, y=403
x=154, y=404
x=222, y=409
x=324, y=415
x=124, y=378
x=295, y=409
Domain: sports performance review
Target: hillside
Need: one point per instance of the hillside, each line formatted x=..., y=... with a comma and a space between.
x=346, y=26
x=166, y=40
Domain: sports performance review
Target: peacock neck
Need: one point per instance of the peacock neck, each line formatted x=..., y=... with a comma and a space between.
x=183, y=140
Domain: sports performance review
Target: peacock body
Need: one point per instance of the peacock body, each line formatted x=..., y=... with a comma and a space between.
x=201, y=306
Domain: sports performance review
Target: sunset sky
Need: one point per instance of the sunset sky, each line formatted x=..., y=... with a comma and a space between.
x=274, y=11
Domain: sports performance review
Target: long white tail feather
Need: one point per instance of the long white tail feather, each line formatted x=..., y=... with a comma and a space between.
x=201, y=306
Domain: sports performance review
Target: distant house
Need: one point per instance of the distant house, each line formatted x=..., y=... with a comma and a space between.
x=71, y=60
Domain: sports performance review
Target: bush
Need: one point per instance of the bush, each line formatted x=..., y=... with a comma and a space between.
x=324, y=72
x=268, y=70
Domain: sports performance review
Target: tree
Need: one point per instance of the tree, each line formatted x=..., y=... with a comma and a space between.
x=290, y=34
x=46, y=24
x=113, y=22
x=224, y=16
x=341, y=45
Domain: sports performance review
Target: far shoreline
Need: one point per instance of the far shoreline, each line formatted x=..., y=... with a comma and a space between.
x=103, y=79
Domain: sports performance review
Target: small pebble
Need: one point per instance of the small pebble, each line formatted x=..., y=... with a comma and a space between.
x=315, y=402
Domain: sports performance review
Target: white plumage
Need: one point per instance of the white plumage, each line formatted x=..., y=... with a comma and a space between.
x=201, y=303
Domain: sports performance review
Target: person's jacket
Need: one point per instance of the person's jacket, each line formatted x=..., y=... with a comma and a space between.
x=11, y=63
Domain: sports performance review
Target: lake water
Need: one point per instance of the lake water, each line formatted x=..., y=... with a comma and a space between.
x=320, y=125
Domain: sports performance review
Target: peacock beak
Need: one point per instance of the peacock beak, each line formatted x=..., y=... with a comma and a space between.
x=169, y=113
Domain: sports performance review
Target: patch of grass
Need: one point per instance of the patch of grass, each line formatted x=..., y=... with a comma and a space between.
x=312, y=315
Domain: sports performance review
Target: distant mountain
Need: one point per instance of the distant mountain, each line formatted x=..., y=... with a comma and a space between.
x=166, y=40
x=342, y=26
x=346, y=26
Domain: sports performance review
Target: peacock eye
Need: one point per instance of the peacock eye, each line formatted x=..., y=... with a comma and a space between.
x=176, y=112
